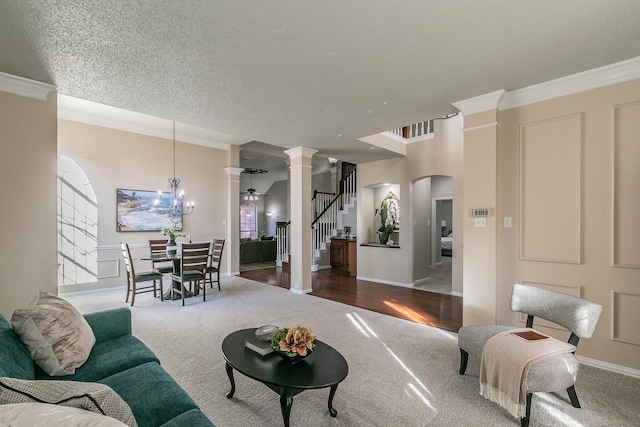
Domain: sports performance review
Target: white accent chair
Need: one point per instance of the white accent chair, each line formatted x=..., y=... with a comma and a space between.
x=552, y=374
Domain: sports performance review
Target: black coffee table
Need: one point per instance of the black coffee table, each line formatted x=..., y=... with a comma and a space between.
x=325, y=367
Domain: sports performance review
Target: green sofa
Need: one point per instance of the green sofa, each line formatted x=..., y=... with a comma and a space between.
x=122, y=362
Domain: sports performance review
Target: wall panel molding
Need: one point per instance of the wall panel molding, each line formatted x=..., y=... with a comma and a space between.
x=625, y=316
x=551, y=190
x=625, y=248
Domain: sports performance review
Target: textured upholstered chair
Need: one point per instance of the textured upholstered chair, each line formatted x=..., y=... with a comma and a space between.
x=193, y=262
x=134, y=278
x=552, y=374
x=213, y=267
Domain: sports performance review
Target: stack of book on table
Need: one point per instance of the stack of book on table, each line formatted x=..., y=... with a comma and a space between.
x=261, y=347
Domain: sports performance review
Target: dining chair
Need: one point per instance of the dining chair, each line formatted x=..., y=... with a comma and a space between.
x=159, y=247
x=213, y=265
x=134, y=278
x=193, y=262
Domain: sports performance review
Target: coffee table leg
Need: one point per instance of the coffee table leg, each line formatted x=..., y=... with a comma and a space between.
x=286, y=400
x=332, y=393
x=231, y=380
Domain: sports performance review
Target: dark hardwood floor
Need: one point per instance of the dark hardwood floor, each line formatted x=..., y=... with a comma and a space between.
x=428, y=308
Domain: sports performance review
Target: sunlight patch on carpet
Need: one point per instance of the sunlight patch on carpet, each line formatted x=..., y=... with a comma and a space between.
x=410, y=314
x=552, y=409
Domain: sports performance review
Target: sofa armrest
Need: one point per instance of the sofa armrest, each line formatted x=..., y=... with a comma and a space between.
x=108, y=324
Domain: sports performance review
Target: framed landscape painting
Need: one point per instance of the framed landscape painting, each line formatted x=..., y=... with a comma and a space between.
x=136, y=211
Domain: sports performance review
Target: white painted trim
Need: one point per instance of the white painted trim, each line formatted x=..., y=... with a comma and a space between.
x=233, y=171
x=575, y=83
x=385, y=282
x=25, y=87
x=301, y=291
x=609, y=366
x=484, y=125
x=90, y=119
x=478, y=104
x=394, y=136
x=607, y=75
x=300, y=152
x=402, y=140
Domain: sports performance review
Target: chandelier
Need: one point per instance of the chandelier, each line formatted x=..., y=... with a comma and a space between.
x=175, y=207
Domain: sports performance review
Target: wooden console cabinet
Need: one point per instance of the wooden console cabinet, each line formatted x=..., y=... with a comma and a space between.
x=343, y=254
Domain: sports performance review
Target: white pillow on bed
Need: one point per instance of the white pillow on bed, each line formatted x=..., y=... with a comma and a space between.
x=45, y=414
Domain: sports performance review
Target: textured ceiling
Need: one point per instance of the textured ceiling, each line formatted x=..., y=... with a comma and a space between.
x=312, y=73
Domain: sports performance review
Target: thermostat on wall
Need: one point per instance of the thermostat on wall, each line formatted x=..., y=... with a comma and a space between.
x=481, y=212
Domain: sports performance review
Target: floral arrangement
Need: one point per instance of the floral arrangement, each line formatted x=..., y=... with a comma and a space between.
x=171, y=233
x=292, y=342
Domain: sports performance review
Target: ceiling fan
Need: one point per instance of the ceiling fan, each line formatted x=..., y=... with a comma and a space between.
x=251, y=194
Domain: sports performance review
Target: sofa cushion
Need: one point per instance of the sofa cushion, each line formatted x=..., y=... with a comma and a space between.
x=109, y=357
x=59, y=339
x=15, y=360
x=93, y=397
x=153, y=395
x=44, y=414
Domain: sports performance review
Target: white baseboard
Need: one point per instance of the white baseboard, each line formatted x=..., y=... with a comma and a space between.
x=609, y=366
x=385, y=282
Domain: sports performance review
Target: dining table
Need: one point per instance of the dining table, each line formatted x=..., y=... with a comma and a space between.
x=175, y=259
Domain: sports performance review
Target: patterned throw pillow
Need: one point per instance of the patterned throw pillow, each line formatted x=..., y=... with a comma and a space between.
x=44, y=414
x=56, y=334
x=92, y=397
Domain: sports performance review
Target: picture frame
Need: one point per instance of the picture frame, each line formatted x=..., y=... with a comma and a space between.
x=136, y=211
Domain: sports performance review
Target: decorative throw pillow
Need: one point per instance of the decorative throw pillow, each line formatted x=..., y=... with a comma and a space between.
x=58, y=337
x=94, y=397
x=44, y=414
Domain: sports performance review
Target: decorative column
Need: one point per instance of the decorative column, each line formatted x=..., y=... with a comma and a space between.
x=480, y=281
x=232, y=244
x=300, y=214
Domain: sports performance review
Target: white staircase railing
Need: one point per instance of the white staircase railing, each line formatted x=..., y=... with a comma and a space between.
x=327, y=210
x=282, y=243
x=328, y=221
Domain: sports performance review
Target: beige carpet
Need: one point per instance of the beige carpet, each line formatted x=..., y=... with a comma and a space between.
x=400, y=373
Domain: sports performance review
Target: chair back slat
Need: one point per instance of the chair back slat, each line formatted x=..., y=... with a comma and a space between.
x=158, y=246
x=216, y=253
x=194, y=257
x=128, y=261
x=576, y=314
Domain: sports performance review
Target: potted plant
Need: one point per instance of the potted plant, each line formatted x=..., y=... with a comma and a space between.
x=388, y=217
x=171, y=238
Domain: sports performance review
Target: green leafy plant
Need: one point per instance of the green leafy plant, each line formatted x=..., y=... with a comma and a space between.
x=171, y=233
x=387, y=225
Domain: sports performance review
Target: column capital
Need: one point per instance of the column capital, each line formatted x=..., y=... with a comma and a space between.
x=300, y=152
x=233, y=171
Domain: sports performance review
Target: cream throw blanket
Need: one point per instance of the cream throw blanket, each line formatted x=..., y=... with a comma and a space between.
x=506, y=360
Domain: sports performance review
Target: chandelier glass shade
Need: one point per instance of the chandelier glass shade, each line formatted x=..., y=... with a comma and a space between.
x=176, y=206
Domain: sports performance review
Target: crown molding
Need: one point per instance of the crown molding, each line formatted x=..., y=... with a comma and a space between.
x=478, y=104
x=25, y=87
x=575, y=83
x=91, y=113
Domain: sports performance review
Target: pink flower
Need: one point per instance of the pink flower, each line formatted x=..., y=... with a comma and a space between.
x=298, y=340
